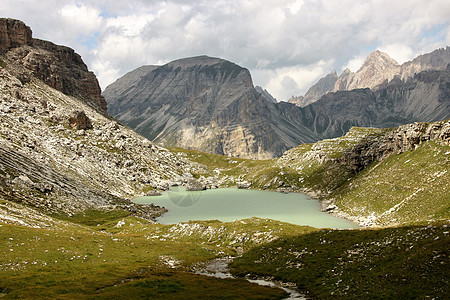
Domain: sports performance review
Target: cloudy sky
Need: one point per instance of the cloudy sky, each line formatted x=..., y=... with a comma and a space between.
x=286, y=44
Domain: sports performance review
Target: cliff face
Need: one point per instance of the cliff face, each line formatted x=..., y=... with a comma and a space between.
x=58, y=66
x=13, y=33
x=206, y=104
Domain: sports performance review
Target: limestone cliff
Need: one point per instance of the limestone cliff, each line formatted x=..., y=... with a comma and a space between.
x=58, y=66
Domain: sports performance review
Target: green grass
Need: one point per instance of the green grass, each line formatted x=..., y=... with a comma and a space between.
x=393, y=263
x=410, y=187
x=107, y=254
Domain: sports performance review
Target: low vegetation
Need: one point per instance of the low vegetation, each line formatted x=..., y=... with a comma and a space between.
x=108, y=255
x=394, y=263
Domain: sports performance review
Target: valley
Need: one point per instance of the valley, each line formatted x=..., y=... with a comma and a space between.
x=69, y=171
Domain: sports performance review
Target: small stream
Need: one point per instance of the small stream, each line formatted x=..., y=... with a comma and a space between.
x=219, y=268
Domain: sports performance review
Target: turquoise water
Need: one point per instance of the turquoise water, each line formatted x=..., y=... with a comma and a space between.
x=234, y=204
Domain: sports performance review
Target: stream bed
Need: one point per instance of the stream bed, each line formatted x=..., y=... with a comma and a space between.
x=219, y=268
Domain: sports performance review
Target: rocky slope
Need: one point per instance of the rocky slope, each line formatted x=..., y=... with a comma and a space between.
x=266, y=94
x=58, y=66
x=62, y=154
x=378, y=176
x=204, y=103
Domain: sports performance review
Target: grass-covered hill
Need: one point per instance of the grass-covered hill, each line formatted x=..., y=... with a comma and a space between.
x=410, y=262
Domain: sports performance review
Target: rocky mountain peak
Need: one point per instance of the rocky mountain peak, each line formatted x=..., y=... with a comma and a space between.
x=59, y=67
x=377, y=68
x=379, y=60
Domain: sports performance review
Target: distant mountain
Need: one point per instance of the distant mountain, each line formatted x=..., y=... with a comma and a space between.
x=210, y=104
x=323, y=86
x=378, y=68
x=207, y=104
x=426, y=97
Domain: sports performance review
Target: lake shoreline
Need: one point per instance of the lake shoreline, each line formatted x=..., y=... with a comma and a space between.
x=233, y=203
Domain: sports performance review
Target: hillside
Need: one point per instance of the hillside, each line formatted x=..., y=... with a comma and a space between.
x=62, y=154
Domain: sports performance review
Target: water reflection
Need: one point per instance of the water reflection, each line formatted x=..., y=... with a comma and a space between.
x=183, y=198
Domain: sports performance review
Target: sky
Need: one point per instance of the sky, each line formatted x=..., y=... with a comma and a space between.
x=286, y=44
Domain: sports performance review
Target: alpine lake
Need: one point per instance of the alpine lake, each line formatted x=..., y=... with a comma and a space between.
x=231, y=204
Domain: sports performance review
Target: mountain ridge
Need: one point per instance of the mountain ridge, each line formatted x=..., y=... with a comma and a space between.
x=377, y=68
x=212, y=106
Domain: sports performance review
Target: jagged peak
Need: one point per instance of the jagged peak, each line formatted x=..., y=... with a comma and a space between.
x=379, y=58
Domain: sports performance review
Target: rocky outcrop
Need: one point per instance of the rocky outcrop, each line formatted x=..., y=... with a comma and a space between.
x=13, y=33
x=58, y=66
x=195, y=185
x=403, y=138
x=204, y=103
x=79, y=121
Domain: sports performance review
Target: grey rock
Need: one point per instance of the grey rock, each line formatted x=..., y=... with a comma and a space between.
x=195, y=185
x=204, y=103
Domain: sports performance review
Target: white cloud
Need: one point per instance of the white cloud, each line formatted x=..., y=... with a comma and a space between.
x=355, y=63
x=285, y=82
x=401, y=53
x=282, y=42
x=80, y=18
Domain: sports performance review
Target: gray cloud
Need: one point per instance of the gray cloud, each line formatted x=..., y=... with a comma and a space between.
x=286, y=44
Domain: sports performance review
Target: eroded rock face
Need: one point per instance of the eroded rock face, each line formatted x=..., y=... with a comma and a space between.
x=204, y=103
x=402, y=139
x=13, y=33
x=58, y=66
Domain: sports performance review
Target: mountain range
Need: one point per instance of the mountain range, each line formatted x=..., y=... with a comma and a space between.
x=378, y=68
x=68, y=170
x=210, y=104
